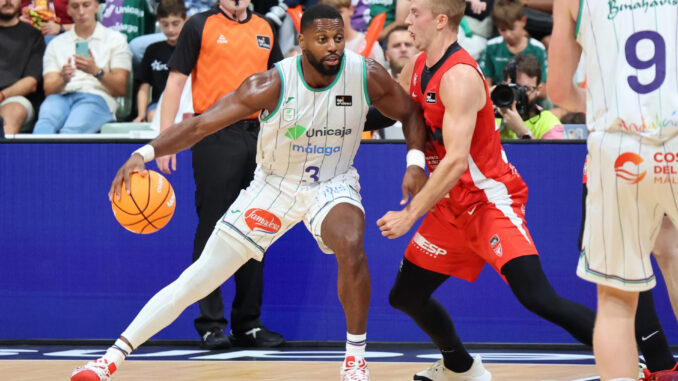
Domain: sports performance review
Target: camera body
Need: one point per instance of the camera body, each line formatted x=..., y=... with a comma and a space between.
x=504, y=95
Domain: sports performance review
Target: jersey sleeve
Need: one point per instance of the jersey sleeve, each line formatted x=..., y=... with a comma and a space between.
x=188, y=46
x=34, y=66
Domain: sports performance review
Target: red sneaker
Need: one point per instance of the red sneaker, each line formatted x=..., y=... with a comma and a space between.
x=99, y=370
x=354, y=369
x=662, y=375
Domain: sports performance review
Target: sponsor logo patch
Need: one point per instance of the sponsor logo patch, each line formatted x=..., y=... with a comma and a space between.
x=262, y=220
x=344, y=100
x=264, y=42
x=295, y=132
x=431, y=97
x=632, y=177
x=427, y=247
x=288, y=115
x=495, y=244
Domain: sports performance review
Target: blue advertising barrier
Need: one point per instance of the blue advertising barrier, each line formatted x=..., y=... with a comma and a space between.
x=69, y=271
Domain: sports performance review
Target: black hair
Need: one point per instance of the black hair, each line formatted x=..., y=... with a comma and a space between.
x=318, y=11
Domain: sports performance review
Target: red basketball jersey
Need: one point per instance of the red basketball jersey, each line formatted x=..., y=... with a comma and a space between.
x=489, y=177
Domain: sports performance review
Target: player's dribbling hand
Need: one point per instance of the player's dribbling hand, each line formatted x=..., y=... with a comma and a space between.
x=134, y=164
x=414, y=179
x=395, y=224
x=165, y=162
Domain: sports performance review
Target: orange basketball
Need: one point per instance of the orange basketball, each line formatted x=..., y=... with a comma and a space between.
x=150, y=205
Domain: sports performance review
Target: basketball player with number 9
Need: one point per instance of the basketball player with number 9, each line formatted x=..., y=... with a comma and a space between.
x=632, y=69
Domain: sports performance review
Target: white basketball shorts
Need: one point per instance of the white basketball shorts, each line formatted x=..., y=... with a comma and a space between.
x=631, y=186
x=271, y=205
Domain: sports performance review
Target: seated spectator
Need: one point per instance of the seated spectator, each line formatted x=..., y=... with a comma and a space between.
x=507, y=16
x=139, y=44
x=535, y=123
x=80, y=88
x=53, y=26
x=399, y=49
x=396, y=12
x=22, y=48
x=133, y=18
x=355, y=41
x=154, y=72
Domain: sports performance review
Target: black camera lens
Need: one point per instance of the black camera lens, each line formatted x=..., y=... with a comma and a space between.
x=502, y=96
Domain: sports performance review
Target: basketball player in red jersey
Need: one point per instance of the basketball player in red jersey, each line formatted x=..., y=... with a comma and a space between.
x=474, y=197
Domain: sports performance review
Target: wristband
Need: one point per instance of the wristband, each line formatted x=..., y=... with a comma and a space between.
x=416, y=157
x=147, y=152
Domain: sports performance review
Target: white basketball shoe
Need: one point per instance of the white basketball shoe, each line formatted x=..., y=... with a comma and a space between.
x=354, y=369
x=99, y=370
x=438, y=372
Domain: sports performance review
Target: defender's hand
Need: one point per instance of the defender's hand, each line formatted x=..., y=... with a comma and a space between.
x=134, y=164
x=165, y=162
x=414, y=179
x=395, y=224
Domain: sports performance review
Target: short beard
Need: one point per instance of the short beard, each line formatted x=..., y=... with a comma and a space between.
x=10, y=17
x=318, y=65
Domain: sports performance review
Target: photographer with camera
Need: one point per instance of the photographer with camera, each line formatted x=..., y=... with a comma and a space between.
x=515, y=101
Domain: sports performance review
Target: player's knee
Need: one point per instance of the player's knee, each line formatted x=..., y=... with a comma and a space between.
x=348, y=243
x=402, y=299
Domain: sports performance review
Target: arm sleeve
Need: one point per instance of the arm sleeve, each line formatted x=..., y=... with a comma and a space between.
x=375, y=120
x=34, y=67
x=188, y=46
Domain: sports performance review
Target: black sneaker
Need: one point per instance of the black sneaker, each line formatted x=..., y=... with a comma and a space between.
x=259, y=337
x=215, y=339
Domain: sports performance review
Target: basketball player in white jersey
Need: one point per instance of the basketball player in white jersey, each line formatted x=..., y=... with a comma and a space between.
x=630, y=56
x=314, y=108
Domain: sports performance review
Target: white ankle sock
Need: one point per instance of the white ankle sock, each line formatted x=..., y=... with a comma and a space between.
x=117, y=353
x=355, y=345
x=622, y=379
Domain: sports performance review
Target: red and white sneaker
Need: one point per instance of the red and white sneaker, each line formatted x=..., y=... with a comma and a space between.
x=354, y=369
x=662, y=375
x=99, y=370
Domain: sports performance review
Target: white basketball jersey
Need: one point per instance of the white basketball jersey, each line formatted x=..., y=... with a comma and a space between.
x=314, y=134
x=631, y=66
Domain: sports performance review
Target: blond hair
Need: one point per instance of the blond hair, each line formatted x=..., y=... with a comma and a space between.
x=453, y=9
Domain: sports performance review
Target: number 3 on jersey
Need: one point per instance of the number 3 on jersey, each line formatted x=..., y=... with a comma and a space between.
x=658, y=60
x=313, y=172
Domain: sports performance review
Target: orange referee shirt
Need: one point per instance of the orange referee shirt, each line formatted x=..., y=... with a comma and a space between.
x=220, y=53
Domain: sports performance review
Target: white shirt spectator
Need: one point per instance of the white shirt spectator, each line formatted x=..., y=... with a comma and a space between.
x=358, y=43
x=109, y=49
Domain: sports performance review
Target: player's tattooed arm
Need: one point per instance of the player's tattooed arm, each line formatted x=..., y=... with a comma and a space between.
x=257, y=92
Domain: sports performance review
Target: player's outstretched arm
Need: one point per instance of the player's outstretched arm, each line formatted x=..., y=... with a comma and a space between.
x=564, y=55
x=259, y=91
x=394, y=102
x=462, y=92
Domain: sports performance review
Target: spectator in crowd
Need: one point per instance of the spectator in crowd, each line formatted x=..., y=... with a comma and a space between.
x=154, y=71
x=20, y=68
x=534, y=123
x=133, y=18
x=507, y=16
x=399, y=49
x=81, y=88
x=219, y=48
x=139, y=44
x=355, y=41
x=396, y=11
x=360, y=18
x=49, y=28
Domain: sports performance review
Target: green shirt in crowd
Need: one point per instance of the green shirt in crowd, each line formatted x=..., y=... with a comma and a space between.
x=540, y=125
x=496, y=55
x=388, y=6
x=133, y=18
